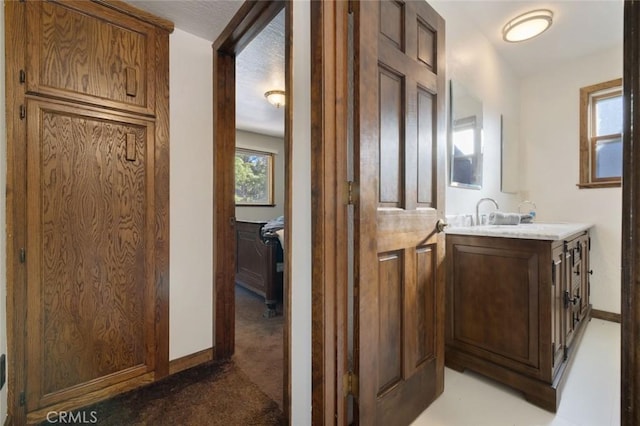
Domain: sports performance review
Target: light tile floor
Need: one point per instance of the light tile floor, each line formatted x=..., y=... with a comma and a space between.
x=591, y=396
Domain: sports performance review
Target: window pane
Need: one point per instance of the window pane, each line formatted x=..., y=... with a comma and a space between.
x=609, y=158
x=609, y=116
x=252, y=178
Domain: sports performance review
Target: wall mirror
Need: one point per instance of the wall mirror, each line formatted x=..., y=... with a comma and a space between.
x=465, y=135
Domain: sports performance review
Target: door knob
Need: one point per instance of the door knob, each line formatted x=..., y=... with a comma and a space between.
x=440, y=225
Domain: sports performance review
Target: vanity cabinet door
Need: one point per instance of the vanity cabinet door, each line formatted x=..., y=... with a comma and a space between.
x=569, y=323
x=585, y=275
x=557, y=307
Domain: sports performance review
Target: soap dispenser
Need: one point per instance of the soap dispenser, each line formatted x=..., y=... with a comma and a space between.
x=532, y=208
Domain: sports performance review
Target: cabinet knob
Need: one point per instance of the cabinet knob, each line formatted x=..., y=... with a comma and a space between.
x=568, y=300
x=590, y=272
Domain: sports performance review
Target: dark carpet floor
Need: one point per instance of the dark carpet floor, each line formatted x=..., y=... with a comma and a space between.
x=244, y=391
x=211, y=394
x=259, y=349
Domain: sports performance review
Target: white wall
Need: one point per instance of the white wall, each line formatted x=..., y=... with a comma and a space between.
x=3, y=199
x=191, y=204
x=473, y=62
x=191, y=192
x=550, y=136
x=273, y=145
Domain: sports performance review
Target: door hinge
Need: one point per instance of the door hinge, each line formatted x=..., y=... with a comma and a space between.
x=23, y=255
x=23, y=76
x=350, y=193
x=23, y=399
x=553, y=272
x=350, y=384
x=23, y=112
x=589, y=243
x=553, y=354
x=350, y=7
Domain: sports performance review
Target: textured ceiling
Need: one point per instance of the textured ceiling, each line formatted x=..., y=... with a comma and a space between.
x=204, y=18
x=260, y=68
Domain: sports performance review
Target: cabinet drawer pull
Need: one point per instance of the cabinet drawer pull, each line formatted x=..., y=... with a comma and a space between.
x=131, y=82
x=569, y=300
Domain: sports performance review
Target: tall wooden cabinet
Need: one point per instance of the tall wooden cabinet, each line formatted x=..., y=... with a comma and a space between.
x=516, y=309
x=88, y=131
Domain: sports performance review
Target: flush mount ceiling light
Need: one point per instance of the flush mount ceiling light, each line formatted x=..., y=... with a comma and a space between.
x=275, y=97
x=527, y=25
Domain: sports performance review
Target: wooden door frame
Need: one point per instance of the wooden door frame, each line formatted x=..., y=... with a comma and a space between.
x=630, y=373
x=328, y=359
x=329, y=280
x=252, y=17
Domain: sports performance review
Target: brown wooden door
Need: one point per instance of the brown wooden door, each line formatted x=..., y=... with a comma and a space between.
x=90, y=232
x=400, y=177
x=83, y=51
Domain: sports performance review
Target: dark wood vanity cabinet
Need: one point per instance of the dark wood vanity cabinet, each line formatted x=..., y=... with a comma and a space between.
x=516, y=309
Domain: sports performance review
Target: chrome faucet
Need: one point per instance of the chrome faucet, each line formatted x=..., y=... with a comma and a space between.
x=478, y=207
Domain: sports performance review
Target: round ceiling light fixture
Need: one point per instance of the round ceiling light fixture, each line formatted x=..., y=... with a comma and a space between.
x=275, y=97
x=527, y=25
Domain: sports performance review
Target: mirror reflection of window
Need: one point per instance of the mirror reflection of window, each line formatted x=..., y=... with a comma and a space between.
x=466, y=138
x=464, y=149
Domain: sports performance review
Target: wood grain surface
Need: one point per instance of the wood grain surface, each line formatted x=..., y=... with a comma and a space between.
x=88, y=222
x=90, y=252
x=75, y=51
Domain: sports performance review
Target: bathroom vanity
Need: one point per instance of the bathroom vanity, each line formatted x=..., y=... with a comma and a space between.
x=517, y=303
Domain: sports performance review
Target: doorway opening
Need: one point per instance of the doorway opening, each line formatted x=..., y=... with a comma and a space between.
x=252, y=137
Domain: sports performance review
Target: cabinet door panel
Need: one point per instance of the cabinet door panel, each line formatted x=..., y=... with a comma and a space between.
x=584, y=277
x=569, y=326
x=95, y=55
x=557, y=308
x=497, y=319
x=90, y=282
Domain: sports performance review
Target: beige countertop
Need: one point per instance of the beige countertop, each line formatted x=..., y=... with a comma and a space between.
x=529, y=231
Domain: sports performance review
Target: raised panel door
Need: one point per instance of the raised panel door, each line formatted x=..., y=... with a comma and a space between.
x=81, y=51
x=399, y=151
